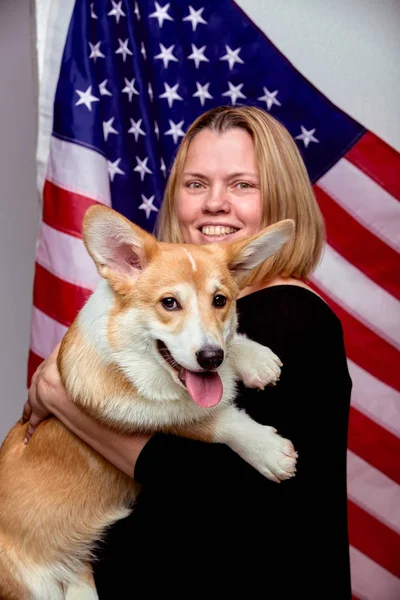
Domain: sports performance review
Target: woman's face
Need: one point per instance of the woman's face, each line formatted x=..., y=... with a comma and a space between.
x=219, y=195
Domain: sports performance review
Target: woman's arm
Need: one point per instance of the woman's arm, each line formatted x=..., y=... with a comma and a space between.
x=47, y=396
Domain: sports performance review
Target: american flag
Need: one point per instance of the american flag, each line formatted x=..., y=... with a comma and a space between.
x=120, y=83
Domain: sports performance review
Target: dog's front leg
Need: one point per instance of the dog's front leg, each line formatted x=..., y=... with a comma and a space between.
x=256, y=365
x=259, y=445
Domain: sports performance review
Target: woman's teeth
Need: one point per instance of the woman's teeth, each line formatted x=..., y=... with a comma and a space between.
x=217, y=230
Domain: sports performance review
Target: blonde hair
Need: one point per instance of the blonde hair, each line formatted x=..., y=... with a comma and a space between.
x=286, y=190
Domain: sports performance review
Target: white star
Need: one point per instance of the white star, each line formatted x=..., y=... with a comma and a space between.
x=123, y=48
x=161, y=13
x=171, y=94
x=147, y=205
x=232, y=56
x=113, y=169
x=95, y=51
x=103, y=90
x=116, y=11
x=163, y=167
x=234, y=92
x=156, y=130
x=202, y=92
x=86, y=98
x=166, y=55
x=136, y=11
x=142, y=167
x=150, y=91
x=198, y=55
x=108, y=128
x=175, y=130
x=92, y=11
x=130, y=88
x=136, y=129
x=143, y=51
x=270, y=98
x=195, y=17
x=306, y=136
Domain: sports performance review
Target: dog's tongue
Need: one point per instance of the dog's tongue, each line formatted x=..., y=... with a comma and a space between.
x=205, y=388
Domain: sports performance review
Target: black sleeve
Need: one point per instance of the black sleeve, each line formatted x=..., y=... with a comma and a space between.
x=309, y=406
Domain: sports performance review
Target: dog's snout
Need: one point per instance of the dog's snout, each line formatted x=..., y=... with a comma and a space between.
x=210, y=357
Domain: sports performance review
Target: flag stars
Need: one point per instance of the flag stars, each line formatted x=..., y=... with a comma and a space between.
x=142, y=167
x=175, y=130
x=171, y=94
x=198, y=55
x=103, y=90
x=234, y=92
x=202, y=92
x=166, y=55
x=123, y=49
x=136, y=11
x=113, y=169
x=150, y=91
x=136, y=129
x=108, y=128
x=307, y=136
x=147, y=205
x=86, y=98
x=195, y=17
x=156, y=130
x=270, y=98
x=130, y=88
x=92, y=11
x=143, y=51
x=161, y=14
x=95, y=51
x=116, y=11
x=232, y=57
x=163, y=167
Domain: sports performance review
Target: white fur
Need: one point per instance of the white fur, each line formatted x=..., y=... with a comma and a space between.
x=192, y=261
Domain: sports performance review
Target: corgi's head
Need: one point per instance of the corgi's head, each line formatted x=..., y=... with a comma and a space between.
x=180, y=297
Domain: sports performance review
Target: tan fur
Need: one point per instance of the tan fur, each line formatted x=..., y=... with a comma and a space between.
x=57, y=495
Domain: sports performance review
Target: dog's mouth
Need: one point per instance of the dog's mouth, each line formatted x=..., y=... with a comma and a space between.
x=205, y=387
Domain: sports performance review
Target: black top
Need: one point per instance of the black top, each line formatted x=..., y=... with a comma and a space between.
x=208, y=523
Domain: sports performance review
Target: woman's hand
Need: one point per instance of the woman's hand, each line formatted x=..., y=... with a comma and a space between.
x=45, y=386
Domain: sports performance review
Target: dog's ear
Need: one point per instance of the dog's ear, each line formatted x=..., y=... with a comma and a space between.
x=249, y=253
x=120, y=249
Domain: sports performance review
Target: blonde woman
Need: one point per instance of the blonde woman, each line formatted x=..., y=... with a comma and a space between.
x=222, y=528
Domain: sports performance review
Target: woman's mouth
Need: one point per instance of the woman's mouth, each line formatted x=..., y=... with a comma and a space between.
x=216, y=233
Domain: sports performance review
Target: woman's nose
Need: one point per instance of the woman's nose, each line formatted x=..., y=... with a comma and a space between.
x=217, y=200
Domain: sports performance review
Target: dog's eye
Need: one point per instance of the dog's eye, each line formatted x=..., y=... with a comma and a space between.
x=170, y=304
x=219, y=301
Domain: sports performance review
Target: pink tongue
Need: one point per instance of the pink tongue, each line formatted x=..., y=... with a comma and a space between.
x=205, y=388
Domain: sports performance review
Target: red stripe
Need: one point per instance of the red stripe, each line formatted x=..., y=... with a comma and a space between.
x=374, y=444
x=379, y=161
x=58, y=299
x=64, y=210
x=33, y=362
x=359, y=246
x=374, y=539
x=365, y=347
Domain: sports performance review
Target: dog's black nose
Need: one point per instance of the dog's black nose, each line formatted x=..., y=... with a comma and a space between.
x=210, y=357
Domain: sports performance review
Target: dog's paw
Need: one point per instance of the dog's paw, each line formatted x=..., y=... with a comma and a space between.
x=272, y=455
x=262, y=367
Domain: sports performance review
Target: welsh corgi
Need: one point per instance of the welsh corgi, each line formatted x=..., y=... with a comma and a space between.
x=155, y=348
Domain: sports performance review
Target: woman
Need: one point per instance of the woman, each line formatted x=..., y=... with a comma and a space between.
x=207, y=522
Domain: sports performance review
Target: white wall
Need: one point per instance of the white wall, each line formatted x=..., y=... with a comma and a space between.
x=19, y=207
x=349, y=49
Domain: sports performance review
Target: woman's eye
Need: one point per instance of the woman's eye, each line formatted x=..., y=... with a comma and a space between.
x=170, y=304
x=219, y=301
x=193, y=185
x=243, y=185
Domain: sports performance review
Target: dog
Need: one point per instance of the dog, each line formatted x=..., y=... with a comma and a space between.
x=155, y=348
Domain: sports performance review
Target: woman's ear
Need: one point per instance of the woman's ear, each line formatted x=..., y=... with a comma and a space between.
x=120, y=249
x=249, y=253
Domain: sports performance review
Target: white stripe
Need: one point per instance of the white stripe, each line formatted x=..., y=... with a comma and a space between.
x=360, y=296
x=52, y=23
x=365, y=200
x=373, y=491
x=45, y=333
x=375, y=399
x=370, y=581
x=79, y=169
x=66, y=257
